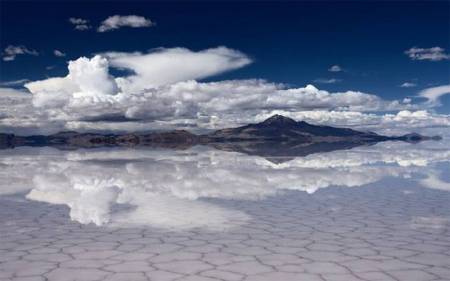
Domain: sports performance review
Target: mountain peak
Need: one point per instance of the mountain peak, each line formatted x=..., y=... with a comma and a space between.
x=279, y=120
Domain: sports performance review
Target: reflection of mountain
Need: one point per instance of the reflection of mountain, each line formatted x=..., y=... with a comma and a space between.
x=276, y=129
x=129, y=187
x=279, y=152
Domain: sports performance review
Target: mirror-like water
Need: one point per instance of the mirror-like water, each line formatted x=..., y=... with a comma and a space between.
x=377, y=212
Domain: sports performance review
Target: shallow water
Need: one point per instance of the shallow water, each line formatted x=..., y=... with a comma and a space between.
x=378, y=212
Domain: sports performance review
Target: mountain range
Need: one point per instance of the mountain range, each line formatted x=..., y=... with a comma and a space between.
x=278, y=134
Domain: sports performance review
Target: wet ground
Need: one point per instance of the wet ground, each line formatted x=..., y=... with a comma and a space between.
x=370, y=213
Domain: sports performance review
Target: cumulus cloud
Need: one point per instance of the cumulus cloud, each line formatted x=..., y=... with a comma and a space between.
x=408, y=85
x=213, y=105
x=11, y=52
x=327, y=80
x=430, y=54
x=162, y=92
x=12, y=102
x=116, y=22
x=88, y=82
x=19, y=116
x=434, y=94
x=80, y=24
x=89, y=91
x=58, y=53
x=335, y=68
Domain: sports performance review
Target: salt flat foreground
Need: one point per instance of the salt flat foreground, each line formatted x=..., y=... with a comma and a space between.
x=371, y=213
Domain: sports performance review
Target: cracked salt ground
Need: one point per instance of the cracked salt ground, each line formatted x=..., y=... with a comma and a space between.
x=371, y=213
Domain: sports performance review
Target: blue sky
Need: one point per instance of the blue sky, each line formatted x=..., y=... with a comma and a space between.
x=290, y=43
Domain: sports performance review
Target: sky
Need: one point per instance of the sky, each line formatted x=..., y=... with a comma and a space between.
x=139, y=66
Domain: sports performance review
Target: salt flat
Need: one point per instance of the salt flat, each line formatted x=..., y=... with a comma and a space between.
x=370, y=213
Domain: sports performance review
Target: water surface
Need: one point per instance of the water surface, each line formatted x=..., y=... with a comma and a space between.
x=378, y=212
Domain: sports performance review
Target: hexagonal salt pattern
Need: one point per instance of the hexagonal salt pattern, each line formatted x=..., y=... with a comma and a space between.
x=368, y=233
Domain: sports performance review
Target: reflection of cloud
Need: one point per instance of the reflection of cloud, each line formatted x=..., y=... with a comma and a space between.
x=87, y=203
x=162, y=187
x=91, y=188
x=169, y=211
x=429, y=222
x=433, y=181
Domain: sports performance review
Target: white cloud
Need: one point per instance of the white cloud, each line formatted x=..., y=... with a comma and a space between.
x=327, y=80
x=431, y=54
x=165, y=66
x=80, y=24
x=116, y=22
x=58, y=53
x=161, y=93
x=434, y=94
x=18, y=115
x=10, y=52
x=11, y=83
x=220, y=104
x=335, y=68
x=408, y=85
x=88, y=91
x=13, y=102
x=88, y=81
x=78, y=21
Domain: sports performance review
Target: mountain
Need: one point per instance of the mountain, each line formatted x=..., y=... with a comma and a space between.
x=280, y=128
x=277, y=133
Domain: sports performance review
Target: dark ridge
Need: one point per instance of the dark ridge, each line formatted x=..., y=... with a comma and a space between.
x=271, y=134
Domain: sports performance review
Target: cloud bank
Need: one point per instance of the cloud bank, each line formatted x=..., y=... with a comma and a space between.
x=163, y=91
